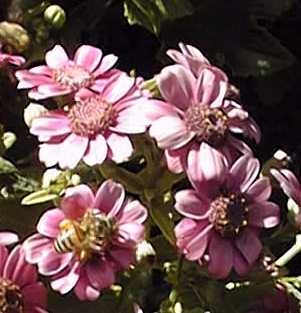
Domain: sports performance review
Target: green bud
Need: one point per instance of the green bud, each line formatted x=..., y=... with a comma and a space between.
x=55, y=15
x=9, y=139
x=15, y=35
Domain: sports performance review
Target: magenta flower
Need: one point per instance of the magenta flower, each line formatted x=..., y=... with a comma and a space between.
x=96, y=127
x=224, y=212
x=291, y=187
x=8, y=238
x=20, y=290
x=83, y=243
x=11, y=59
x=198, y=113
x=62, y=76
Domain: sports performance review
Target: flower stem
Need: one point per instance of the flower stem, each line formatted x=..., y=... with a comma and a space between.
x=291, y=253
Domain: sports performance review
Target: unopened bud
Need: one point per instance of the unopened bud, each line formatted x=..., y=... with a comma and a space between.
x=145, y=251
x=55, y=16
x=32, y=111
x=14, y=35
x=75, y=179
x=50, y=176
x=9, y=139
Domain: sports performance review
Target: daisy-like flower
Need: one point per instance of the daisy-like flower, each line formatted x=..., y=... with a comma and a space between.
x=83, y=243
x=224, y=212
x=20, y=290
x=291, y=187
x=62, y=76
x=11, y=59
x=96, y=127
x=198, y=114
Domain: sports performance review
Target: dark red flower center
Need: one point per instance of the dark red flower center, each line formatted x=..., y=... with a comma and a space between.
x=209, y=124
x=73, y=77
x=229, y=214
x=11, y=300
x=89, y=236
x=91, y=116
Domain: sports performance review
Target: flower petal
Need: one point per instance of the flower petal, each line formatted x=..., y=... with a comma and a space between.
x=120, y=147
x=57, y=57
x=109, y=198
x=107, y=63
x=96, y=152
x=8, y=238
x=84, y=290
x=49, y=223
x=132, y=212
x=49, y=154
x=176, y=159
x=100, y=274
x=35, y=295
x=76, y=201
x=88, y=57
x=264, y=214
x=3, y=258
x=52, y=263
x=35, y=248
x=260, y=190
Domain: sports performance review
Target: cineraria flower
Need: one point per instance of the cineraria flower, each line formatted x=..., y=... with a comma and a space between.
x=199, y=114
x=96, y=127
x=8, y=238
x=83, y=243
x=62, y=76
x=20, y=290
x=11, y=59
x=291, y=187
x=224, y=212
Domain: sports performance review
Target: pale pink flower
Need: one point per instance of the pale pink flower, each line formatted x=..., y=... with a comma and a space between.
x=8, y=238
x=197, y=114
x=20, y=290
x=62, y=76
x=11, y=59
x=224, y=212
x=96, y=127
x=82, y=244
x=291, y=187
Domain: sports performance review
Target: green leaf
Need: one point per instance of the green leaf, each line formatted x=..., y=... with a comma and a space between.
x=151, y=13
x=40, y=196
x=7, y=167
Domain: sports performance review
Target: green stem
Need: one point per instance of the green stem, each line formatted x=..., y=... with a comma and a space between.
x=291, y=253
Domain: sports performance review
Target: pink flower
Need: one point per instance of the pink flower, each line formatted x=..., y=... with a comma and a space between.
x=291, y=187
x=8, y=238
x=11, y=59
x=83, y=243
x=20, y=290
x=62, y=76
x=96, y=127
x=224, y=212
x=197, y=114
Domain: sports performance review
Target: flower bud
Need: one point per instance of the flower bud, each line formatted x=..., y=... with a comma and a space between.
x=32, y=111
x=14, y=35
x=9, y=139
x=55, y=16
x=75, y=180
x=145, y=251
x=50, y=176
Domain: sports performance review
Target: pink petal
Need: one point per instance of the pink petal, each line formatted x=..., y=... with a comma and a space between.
x=52, y=262
x=67, y=281
x=57, y=57
x=170, y=132
x=176, y=159
x=76, y=201
x=264, y=214
x=196, y=248
x=206, y=168
x=221, y=256
x=97, y=151
x=30, y=80
x=249, y=245
x=132, y=212
x=49, y=154
x=185, y=231
x=190, y=205
x=241, y=266
x=120, y=147
x=49, y=90
x=49, y=223
x=100, y=274
x=243, y=173
x=107, y=63
x=84, y=290
x=8, y=238
x=176, y=84
x=118, y=88
x=131, y=232
x=35, y=295
x=35, y=247
x=72, y=151
x=88, y=57
x=109, y=198
x=41, y=70
x=122, y=257
x=3, y=258
x=260, y=190
x=50, y=125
